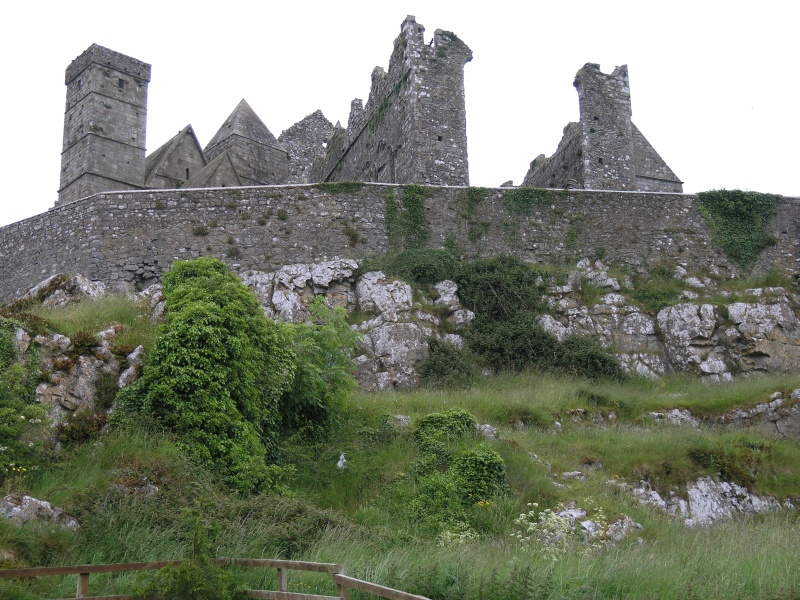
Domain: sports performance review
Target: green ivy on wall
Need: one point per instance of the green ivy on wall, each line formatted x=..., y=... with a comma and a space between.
x=406, y=224
x=738, y=220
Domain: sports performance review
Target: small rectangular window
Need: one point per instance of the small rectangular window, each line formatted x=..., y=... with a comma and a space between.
x=121, y=84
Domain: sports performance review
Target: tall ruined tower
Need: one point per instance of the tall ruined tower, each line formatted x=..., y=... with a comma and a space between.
x=606, y=128
x=604, y=150
x=413, y=128
x=104, y=124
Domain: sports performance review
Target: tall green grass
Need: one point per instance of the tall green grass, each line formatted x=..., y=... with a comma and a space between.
x=358, y=516
x=129, y=314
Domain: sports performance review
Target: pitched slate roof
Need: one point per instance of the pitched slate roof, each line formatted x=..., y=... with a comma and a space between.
x=156, y=158
x=203, y=177
x=243, y=121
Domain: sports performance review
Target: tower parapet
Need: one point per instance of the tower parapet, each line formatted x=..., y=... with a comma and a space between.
x=104, y=124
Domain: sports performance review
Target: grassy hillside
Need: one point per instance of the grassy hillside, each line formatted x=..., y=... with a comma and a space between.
x=424, y=503
x=369, y=516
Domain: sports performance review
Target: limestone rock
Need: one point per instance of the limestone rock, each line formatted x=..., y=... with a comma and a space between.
x=60, y=289
x=375, y=294
x=448, y=296
x=690, y=343
x=322, y=274
x=708, y=501
x=27, y=509
x=766, y=335
x=134, y=361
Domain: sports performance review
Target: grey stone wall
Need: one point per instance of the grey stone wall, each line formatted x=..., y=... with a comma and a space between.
x=413, y=126
x=255, y=163
x=104, y=124
x=304, y=142
x=604, y=150
x=131, y=238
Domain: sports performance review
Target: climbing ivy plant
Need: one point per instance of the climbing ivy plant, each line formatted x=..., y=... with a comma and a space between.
x=738, y=220
x=406, y=224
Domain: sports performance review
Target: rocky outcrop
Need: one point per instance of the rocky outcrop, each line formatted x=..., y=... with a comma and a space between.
x=714, y=342
x=395, y=327
x=706, y=501
x=27, y=509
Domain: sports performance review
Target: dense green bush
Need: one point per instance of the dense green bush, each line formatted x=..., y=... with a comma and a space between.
x=423, y=267
x=584, y=357
x=739, y=221
x=448, y=425
x=497, y=288
x=225, y=379
x=448, y=366
x=216, y=374
x=515, y=343
x=481, y=474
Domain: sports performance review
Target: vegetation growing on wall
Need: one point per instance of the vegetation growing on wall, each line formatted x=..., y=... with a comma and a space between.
x=739, y=220
x=524, y=200
x=406, y=224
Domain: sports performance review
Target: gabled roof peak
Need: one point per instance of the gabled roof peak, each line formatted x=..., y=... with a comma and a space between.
x=244, y=121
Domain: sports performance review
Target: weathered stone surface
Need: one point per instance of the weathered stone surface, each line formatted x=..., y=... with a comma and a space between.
x=377, y=295
x=690, y=343
x=708, y=501
x=27, y=509
x=132, y=372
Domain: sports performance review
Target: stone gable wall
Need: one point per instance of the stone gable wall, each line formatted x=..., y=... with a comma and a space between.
x=413, y=126
x=131, y=238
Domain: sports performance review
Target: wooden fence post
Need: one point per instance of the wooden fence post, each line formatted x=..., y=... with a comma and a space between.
x=83, y=585
x=283, y=584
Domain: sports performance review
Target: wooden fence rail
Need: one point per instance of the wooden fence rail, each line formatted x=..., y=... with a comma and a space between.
x=343, y=583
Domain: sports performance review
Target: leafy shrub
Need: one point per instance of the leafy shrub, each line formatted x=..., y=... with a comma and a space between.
x=423, y=267
x=481, y=473
x=497, y=288
x=448, y=425
x=514, y=343
x=739, y=221
x=323, y=369
x=448, y=366
x=216, y=374
x=584, y=357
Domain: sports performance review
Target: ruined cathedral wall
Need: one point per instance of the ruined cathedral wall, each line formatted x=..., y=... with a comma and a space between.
x=131, y=238
x=564, y=165
x=413, y=126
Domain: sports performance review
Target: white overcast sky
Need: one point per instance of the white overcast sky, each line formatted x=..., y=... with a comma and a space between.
x=714, y=85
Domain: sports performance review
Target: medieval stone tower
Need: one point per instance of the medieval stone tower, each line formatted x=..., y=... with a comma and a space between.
x=604, y=150
x=413, y=128
x=104, y=124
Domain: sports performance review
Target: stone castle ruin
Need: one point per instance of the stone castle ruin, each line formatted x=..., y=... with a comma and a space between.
x=260, y=202
x=412, y=130
x=604, y=150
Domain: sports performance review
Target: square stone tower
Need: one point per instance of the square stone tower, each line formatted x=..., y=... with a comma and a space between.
x=104, y=124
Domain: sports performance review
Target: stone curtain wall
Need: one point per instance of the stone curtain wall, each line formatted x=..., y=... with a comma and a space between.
x=131, y=238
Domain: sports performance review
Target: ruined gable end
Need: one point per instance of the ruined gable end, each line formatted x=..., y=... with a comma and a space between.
x=104, y=124
x=604, y=150
x=412, y=128
x=305, y=141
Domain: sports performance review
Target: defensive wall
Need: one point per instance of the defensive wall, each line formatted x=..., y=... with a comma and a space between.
x=131, y=237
